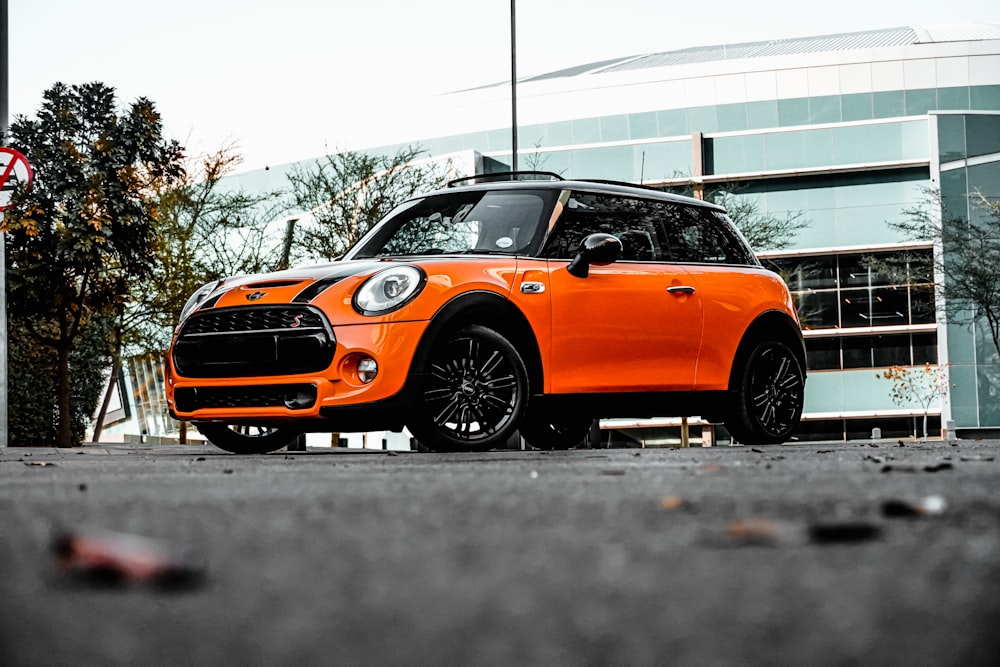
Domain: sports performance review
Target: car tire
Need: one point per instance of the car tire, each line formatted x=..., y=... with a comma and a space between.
x=243, y=439
x=473, y=393
x=555, y=430
x=768, y=395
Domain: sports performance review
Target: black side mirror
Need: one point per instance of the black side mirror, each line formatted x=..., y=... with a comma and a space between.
x=595, y=249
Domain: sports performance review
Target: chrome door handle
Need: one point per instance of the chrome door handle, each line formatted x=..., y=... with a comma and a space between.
x=681, y=289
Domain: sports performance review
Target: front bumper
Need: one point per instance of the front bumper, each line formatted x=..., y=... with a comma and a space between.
x=317, y=396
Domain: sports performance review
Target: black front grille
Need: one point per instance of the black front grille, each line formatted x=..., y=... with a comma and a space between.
x=253, y=318
x=291, y=396
x=253, y=341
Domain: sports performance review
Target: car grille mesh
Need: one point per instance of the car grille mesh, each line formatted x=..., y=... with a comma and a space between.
x=252, y=319
x=254, y=341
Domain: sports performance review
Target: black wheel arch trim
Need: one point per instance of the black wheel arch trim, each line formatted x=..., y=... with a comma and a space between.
x=491, y=310
x=769, y=325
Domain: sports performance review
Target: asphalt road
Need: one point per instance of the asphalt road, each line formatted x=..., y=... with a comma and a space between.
x=806, y=554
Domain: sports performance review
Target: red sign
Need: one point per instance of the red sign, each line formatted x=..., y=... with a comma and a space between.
x=14, y=171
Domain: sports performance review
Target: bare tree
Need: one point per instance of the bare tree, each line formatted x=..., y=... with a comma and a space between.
x=968, y=285
x=763, y=230
x=344, y=194
x=204, y=232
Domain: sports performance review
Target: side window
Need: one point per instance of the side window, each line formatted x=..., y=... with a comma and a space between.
x=702, y=235
x=631, y=220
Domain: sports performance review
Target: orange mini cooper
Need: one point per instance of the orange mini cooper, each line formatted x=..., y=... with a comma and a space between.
x=492, y=307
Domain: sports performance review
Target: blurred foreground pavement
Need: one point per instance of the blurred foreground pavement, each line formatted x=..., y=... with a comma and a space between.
x=805, y=554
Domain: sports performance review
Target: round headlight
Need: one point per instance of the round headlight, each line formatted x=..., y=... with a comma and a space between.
x=389, y=290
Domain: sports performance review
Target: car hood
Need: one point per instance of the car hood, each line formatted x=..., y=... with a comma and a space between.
x=329, y=271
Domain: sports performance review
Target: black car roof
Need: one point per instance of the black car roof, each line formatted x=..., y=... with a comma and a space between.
x=587, y=185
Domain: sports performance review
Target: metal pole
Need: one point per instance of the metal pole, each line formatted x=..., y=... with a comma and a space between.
x=513, y=87
x=4, y=111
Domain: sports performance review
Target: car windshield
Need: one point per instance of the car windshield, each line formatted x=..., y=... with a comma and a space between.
x=471, y=222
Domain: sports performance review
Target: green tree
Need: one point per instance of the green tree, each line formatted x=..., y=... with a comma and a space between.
x=347, y=193
x=83, y=234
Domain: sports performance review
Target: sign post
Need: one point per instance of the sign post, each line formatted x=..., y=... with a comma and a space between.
x=14, y=171
x=3, y=265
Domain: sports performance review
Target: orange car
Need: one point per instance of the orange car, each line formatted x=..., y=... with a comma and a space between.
x=498, y=306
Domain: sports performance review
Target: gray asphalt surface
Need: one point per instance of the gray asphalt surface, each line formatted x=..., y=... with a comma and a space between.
x=785, y=555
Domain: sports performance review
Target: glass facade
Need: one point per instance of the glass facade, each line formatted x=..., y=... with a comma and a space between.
x=969, y=166
x=735, y=117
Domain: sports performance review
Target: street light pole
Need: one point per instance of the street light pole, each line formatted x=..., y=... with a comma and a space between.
x=4, y=111
x=513, y=87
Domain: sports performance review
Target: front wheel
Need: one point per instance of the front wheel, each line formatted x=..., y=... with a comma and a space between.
x=473, y=394
x=246, y=439
x=768, y=395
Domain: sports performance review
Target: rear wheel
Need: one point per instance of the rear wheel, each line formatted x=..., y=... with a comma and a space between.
x=248, y=439
x=554, y=430
x=769, y=393
x=473, y=394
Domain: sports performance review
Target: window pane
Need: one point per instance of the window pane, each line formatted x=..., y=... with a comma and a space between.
x=803, y=273
x=629, y=219
x=855, y=306
x=886, y=268
x=889, y=306
x=891, y=350
x=822, y=354
x=857, y=352
x=696, y=234
x=925, y=349
x=922, y=309
x=853, y=271
x=921, y=266
x=818, y=310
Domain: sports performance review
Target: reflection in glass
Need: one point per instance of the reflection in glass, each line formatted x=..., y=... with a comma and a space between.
x=891, y=350
x=822, y=354
x=855, y=308
x=857, y=352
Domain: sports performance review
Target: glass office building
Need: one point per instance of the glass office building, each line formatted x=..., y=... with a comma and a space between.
x=846, y=131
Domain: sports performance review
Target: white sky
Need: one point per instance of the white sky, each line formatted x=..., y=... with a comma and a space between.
x=290, y=80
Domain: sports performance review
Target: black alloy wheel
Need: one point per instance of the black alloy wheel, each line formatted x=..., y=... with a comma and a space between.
x=768, y=396
x=474, y=392
x=248, y=439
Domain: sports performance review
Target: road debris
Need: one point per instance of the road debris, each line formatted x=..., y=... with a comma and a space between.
x=928, y=506
x=119, y=559
x=933, y=467
x=39, y=464
x=671, y=502
x=843, y=533
x=976, y=458
x=754, y=532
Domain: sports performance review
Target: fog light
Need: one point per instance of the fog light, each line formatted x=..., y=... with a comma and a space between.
x=367, y=369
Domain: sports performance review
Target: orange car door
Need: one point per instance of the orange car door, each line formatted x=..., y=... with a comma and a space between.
x=628, y=327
